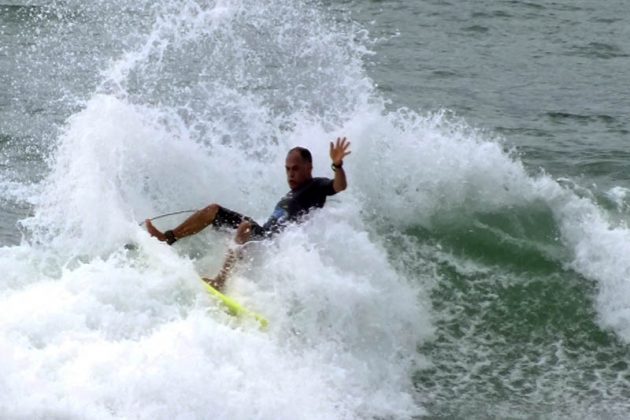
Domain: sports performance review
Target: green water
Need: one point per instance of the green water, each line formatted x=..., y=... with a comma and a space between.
x=517, y=333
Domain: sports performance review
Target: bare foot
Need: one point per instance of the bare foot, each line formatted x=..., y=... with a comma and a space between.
x=217, y=283
x=153, y=231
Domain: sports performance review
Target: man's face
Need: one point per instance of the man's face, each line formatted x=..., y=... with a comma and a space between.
x=298, y=170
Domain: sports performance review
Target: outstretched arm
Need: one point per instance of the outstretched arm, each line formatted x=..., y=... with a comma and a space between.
x=338, y=151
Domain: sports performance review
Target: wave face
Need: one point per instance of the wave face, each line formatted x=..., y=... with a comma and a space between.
x=447, y=280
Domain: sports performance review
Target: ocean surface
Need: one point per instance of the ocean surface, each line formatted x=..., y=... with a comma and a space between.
x=476, y=267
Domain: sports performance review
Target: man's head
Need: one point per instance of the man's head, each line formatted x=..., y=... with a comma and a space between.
x=299, y=166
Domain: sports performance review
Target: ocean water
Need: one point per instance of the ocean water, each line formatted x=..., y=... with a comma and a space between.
x=475, y=267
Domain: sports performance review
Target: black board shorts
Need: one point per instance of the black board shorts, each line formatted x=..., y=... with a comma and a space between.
x=227, y=218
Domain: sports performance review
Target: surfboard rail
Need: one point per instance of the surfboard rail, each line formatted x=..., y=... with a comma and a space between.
x=234, y=308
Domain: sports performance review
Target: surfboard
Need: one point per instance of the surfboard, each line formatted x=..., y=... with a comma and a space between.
x=234, y=308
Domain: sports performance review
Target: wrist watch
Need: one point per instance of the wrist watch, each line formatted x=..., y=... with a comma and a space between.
x=335, y=167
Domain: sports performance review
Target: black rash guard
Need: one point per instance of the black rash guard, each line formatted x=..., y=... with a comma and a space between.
x=295, y=204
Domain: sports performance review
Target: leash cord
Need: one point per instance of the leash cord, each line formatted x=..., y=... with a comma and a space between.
x=168, y=214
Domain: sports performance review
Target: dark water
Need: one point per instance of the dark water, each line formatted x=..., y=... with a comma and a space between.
x=547, y=76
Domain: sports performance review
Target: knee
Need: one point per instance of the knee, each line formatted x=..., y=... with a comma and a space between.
x=210, y=212
x=243, y=233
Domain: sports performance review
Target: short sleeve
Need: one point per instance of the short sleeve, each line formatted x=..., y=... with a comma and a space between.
x=325, y=186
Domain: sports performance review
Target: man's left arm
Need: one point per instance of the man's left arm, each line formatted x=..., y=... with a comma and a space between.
x=338, y=151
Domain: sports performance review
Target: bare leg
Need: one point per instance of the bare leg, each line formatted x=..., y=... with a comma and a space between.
x=243, y=234
x=218, y=282
x=194, y=224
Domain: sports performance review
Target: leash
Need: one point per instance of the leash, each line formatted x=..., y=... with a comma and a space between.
x=168, y=214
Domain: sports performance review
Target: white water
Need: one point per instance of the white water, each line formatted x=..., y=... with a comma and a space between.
x=90, y=330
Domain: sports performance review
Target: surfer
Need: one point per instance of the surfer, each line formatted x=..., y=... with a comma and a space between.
x=305, y=194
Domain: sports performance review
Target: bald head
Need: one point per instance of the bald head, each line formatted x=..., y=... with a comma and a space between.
x=299, y=167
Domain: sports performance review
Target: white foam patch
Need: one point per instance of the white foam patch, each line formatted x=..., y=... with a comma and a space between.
x=134, y=335
x=619, y=197
x=412, y=168
x=600, y=248
x=187, y=368
x=365, y=316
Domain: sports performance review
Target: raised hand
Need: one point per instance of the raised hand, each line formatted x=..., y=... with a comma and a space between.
x=339, y=150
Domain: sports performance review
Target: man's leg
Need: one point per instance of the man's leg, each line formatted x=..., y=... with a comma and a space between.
x=218, y=282
x=212, y=214
x=243, y=234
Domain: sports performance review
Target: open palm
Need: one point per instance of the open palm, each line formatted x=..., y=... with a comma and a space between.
x=339, y=150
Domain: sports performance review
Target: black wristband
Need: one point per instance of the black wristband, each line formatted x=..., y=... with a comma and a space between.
x=335, y=167
x=170, y=237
